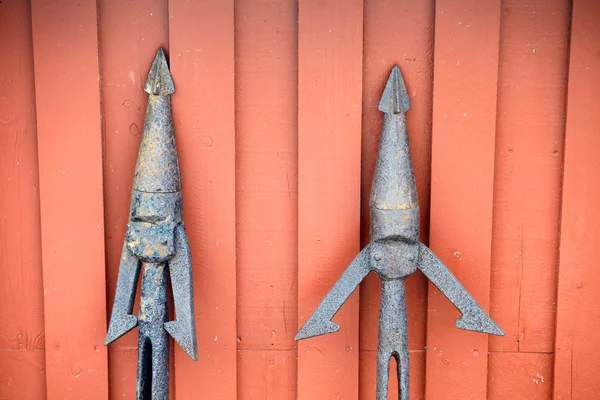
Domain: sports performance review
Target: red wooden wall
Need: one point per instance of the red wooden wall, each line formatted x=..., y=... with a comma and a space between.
x=277, y=128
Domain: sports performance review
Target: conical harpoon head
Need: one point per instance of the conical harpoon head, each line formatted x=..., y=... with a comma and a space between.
x=157, y=168
x=394, y=186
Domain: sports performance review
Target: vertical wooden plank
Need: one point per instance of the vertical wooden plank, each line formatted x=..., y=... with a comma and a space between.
x=122, y=372
x=130, y=34
x=578, y=319
x=528, y=174
x=202, y=64
x=268, y=375
x=266, y=199
x=520, y=376
x=65, y=44
x=464, y=115
x=396, y=33
x=21, y=303
x=330, y=41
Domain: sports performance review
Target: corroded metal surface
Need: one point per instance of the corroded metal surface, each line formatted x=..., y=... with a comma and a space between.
x=395, y=252
x=157, y=244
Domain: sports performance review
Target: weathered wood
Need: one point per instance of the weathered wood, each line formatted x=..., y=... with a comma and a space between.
x=130, y=34
x=65, y=44
x=517, y=171
x=396, y=33
x=464, y=115
x=21, y=304
x=22, y=367
x=201, y=38
x=329, y=140
x=267, y=197
x=528, y=177
x=515, y=375
x=576, y=365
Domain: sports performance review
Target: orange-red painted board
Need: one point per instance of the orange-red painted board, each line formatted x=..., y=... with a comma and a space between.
x=402, y=34
x=67, y=87
x=520, y=376
x=130, y=34
x=122, y=372
x=528, y=174
x=578, y=319
x=202, y=64
x=268, y=375
x=368, y=370
x=266, y=192
x=21, y=302
x=22, y=375
x=464, y=115
x=329, y=142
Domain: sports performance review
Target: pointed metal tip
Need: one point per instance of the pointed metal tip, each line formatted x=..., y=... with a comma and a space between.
x=395, y=96
x=314, y=327
x=479, y=321
x=184, y=334
x=120, y=325
x=159, y=82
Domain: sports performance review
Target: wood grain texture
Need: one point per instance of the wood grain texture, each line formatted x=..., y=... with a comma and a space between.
x=520, y=376
x=201, y=38
x=130, y=34
x=65, y=44
x=396, y=33
x=266, y=190
x=577, y=320
x=329, y=141
x=464, y=115
x=528, y=173
x=21, y=302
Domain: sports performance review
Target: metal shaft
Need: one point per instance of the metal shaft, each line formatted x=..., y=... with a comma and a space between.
x=394, y=214
x=393, y=338
x=153, y=339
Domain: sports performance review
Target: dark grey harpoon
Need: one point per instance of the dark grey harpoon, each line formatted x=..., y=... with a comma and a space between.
x=394, y=251
x=156, y=244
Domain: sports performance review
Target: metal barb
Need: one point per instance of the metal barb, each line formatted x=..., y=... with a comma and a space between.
x=156, y=244
x=394, y=252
